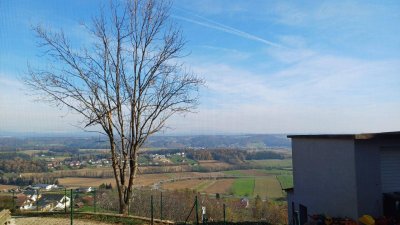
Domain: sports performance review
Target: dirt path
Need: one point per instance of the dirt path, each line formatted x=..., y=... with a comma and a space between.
x=54, y=221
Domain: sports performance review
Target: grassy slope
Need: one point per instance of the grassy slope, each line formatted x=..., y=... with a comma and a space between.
x=272, y=163
x=243, y=187
x=285, y=180
x=267, y=187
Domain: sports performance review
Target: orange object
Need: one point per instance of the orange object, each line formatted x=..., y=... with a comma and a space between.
x=367, y=220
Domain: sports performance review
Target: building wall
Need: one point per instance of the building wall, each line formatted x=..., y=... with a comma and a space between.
x=369, y=193
x=289, y=198
x=369, y=188
x=324, y=176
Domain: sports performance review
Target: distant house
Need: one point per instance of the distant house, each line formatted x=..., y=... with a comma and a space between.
x=20, y=199
x=84, y=190
x=345, y=175
x=46, y=187
x=27, y=200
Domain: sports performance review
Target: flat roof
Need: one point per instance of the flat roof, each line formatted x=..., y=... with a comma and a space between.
x=362, y=136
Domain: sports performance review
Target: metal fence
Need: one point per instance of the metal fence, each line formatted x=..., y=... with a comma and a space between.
x=71, y=204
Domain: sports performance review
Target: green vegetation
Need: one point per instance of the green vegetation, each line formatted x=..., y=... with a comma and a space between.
x=272, y=163
x=144, y=160
x=177, y=159
x=234, y=173
x=286, y=181
x=278, y=171
x=86, y=208
x=233, y=156
x=5, y=201
x=268, y=187
x=243, y=187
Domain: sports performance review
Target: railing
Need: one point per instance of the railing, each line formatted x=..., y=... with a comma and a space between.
x=151, y=206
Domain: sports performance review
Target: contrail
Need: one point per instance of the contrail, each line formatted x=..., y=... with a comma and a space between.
x=218, y=26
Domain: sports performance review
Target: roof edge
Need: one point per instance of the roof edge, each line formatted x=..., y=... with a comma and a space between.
x=361, y=136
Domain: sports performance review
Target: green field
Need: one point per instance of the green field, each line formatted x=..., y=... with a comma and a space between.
x=272, y=163
x=243, y=187
x=176, y=159
x=268, y=187
x=286, y=181
x=267, y=181
x=234, y=172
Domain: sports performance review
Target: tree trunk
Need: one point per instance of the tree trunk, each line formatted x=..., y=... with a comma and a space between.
x=123, y=207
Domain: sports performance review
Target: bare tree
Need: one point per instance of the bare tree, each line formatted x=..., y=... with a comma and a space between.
x=128, y=82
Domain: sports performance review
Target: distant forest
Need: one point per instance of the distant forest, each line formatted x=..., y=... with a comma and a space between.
x=232, y=156
x=20, y=163
x=260, y=141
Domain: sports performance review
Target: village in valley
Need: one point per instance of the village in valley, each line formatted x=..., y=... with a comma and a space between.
x=235, y=176
x=220, y=112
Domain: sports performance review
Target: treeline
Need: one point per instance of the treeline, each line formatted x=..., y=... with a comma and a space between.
x=13, y=155
x=20, y=165
x=259, y=155
x=24, y=181
x=56, y=143
x=232, y=156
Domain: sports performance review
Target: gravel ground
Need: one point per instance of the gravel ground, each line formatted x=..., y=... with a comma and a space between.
x=54, y=221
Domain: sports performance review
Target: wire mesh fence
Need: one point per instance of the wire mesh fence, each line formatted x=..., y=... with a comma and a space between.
x=180, y=206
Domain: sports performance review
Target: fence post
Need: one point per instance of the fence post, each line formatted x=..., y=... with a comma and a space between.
x=224, y=213
x=161, y=207
x=65, y=200
x=72, y=208
x=13, y=201
x=94, y=200
x=191, y=210
x=197, y=211
x=37, y=200
x=151, y=203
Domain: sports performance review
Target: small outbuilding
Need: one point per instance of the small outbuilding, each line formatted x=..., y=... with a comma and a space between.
x=345, y=175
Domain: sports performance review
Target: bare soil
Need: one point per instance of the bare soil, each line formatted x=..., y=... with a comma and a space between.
x=220, y=186
x=183, y=184
x=6, y=187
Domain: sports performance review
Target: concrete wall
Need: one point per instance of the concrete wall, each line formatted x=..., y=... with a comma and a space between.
x=324, y=176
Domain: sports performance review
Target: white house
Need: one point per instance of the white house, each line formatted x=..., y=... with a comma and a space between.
x=345, y=175
x=46, y=187
x=64, y=202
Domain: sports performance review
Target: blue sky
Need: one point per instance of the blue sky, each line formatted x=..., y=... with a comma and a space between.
x=269, y=66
